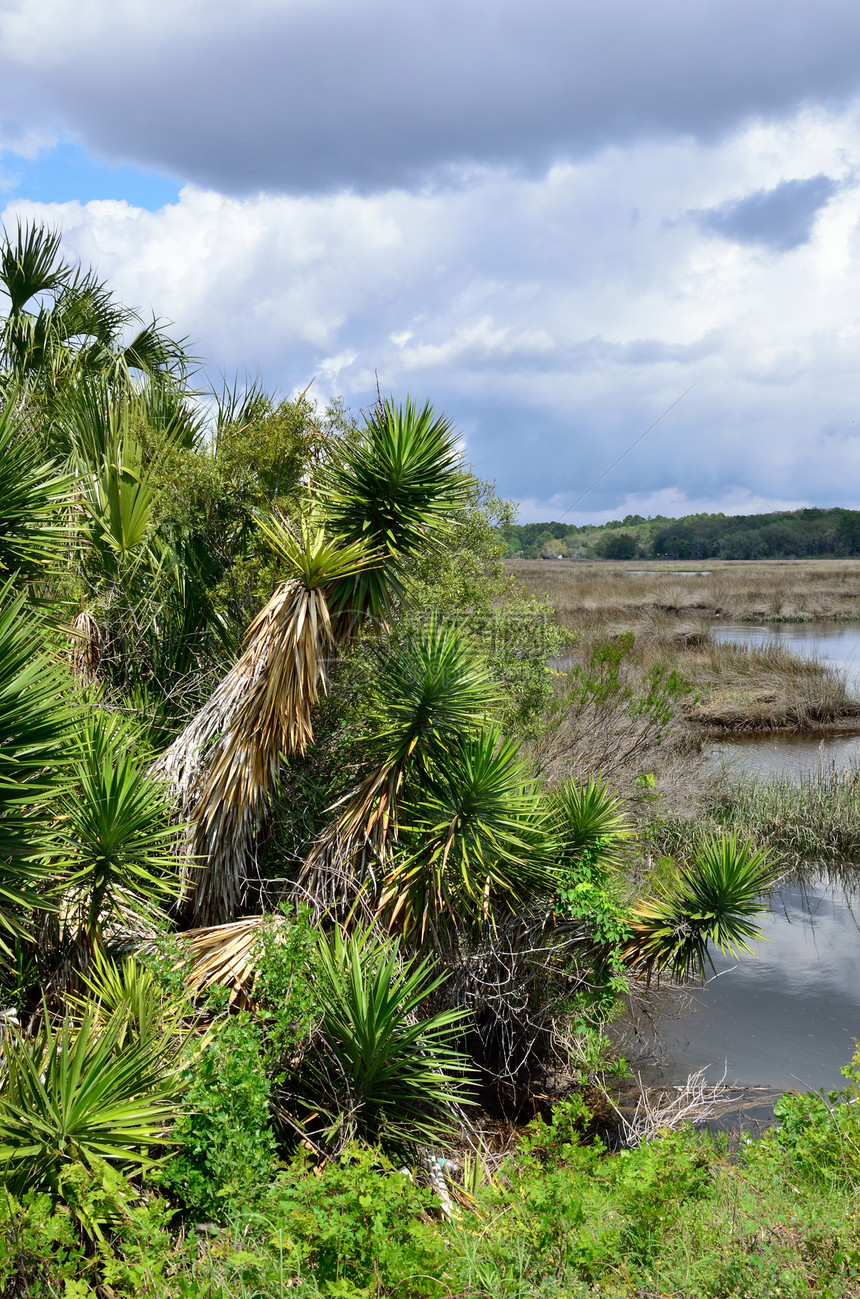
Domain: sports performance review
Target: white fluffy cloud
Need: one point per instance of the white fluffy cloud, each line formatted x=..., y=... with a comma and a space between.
x=554, y=315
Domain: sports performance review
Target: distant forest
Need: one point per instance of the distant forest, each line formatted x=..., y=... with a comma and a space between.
x=787, y=534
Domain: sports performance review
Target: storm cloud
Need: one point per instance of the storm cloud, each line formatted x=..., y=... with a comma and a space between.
x=318, y=95
x=551, y=219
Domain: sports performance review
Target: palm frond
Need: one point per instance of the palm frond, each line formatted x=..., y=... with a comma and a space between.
x=114, y=825
x=222, y=954
x=34, y=725
x=33, y=501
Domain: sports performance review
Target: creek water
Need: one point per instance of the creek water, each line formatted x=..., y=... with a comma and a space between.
x=783, y=1018
x=787, y=1017
x=795, y=756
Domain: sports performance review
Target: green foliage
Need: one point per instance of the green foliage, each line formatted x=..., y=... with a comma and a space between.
x=395, y=487
x=360, y=1228
x=285, y=993
x=430, y=688
x=226, y=1143
x=78, y=1096
x=784, y=534
x=476, y=833
x=115, y=826
x=713, y=899
x=63, y=324
x=33, y=501
x=386, y=1074
x=34, y=725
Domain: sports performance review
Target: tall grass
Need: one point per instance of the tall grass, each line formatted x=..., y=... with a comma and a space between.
x=754, y=591
x=811, y=824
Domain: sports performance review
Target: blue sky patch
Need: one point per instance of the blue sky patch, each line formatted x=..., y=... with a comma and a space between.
x=67, y=173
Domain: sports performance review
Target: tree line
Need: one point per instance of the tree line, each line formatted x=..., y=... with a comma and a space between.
x=784, y=534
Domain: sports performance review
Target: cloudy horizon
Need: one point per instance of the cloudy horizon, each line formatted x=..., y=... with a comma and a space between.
x=550, y=220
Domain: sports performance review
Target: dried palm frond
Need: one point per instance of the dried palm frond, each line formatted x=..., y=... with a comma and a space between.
x=221, y=954
x=87, y=646
x=224, y=764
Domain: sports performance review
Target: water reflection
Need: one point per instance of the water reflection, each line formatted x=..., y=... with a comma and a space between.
x=797, y=756
x=837, y=644
x=786, y=1019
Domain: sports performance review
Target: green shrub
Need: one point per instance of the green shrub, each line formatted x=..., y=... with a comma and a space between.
x=359, y=1227
x=227, y=1145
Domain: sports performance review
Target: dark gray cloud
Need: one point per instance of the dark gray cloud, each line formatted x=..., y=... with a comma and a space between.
x=332, y=93
x=780, y=218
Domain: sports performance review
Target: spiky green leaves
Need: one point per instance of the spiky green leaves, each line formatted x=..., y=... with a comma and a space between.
x=474, y=834
x=34, y=725
x=712, y=900
x=72, y=1098
x=32, y=497
x=393, y=489
x=590, y=822
x=115, y=827
x=431, y=688
x=386, y=1075
x=314, y=558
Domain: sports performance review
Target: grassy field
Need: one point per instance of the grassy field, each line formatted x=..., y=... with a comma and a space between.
x=754, y=591
x=735, y=688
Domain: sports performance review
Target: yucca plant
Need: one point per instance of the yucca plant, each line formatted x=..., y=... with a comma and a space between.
x=223, y=766
x=381, y=1073
x=590, y=822
x=114, y=825
x=476, y=834
x=713, y=900
x=397, y=482
x=430, y=689
x=395, y=488
x=80, y=1094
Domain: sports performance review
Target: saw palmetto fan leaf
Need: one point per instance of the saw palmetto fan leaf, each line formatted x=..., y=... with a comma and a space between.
x=33, y=501
x=224, y=764
x=34, y=728
x=430, y=689
x=478, y=834
x=713, y=900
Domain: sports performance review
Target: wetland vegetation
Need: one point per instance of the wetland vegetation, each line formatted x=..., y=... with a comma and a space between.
x=329, y=852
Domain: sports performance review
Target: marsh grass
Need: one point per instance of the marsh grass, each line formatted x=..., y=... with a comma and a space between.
x=735, y=687
x=812, y=824
x=748, y=591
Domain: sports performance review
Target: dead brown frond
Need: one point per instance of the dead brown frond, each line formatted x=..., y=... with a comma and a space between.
x=87, y=645
x=223, y=765
x=222, y=954
x=357, y=842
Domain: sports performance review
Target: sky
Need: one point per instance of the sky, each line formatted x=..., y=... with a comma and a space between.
x=551, y=218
